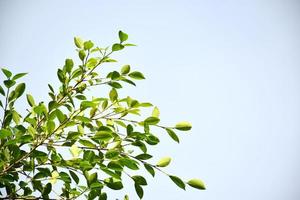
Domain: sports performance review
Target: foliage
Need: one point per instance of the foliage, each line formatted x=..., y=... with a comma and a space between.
x=76, y=145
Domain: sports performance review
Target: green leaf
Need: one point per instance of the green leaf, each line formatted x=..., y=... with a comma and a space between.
x=50, y=126
x=115, y=85
x=139, y=190
x=87, y=143
x=81, y=54
x=17, y=76
x=47, y=189
x=91, y=63
x=6, y=72
x=131, y=164
x=163, y=162
x=143, y=156
x=113, y=183
x=172, y=134
x=125, y=69
x=152, y=120
x=19, y=90
x=117, y=47
x=78, y=42
x=2, y=91
x=122, y=36
x=155, y=112
x=9, y=83
x=88, y=45
x=4, y=133
x=196, y=183
x=136, y=75
x=139, y=180
x=183, y=126
x=178, y=181
x=74, y=176
x=113, y=95
x=149, y=169
x=103, y=135
x=30, y=100
x=69, y=65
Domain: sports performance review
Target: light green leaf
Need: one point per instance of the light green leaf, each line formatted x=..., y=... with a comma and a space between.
x=183, y=126
x=196, y=183
x=163, y=162
x=91, y=63
x=113, y=95
x=75, y=151
x=50, y=126
x=30, y=100
x=152, y=120
x=155, y=112
x=125, y=69
x=78, y=42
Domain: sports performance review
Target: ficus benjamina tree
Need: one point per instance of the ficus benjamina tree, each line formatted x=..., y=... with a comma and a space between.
x=76, y=145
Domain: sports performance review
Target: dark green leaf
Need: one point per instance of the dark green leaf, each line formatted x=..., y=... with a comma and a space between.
x=2, y=91
x=139, y=180
x=172, y=134
x=178, y=181
x=143, y=156
x=139, y=190
x=47, y=189
x=149, y=169
x=9, y=83
x=113, y=184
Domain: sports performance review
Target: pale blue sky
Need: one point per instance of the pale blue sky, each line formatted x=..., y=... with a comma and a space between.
x=229, y=67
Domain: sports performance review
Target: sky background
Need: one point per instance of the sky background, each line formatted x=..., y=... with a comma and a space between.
x=229, y=67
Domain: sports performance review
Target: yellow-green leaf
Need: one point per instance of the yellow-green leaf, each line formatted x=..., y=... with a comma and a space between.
x=197, y=183
x=163, y=162
x=183, y=126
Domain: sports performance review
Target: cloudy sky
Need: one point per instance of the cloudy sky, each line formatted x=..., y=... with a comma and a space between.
x=229, y=67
